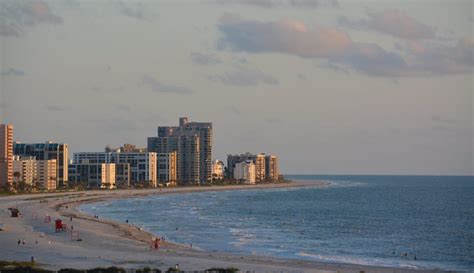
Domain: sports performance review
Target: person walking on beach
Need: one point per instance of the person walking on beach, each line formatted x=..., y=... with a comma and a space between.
x=19, y=242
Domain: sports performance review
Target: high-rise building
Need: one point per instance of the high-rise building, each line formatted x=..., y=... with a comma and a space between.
x=39, y=174
x=142, y=165
x=46, y=174
x=193, y=143
x=6, y=154
x=244, y=171
x=167, y=168
x=24, y=170
x=47, y=151
x=259, y=161
x=271, y=167
x=95, y=175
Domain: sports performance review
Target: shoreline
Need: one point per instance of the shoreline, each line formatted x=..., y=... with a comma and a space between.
x=106, y=242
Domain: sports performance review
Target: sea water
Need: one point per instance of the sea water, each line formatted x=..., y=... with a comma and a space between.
x=369, y=220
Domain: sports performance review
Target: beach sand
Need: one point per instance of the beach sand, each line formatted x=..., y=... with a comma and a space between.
x=108, y=243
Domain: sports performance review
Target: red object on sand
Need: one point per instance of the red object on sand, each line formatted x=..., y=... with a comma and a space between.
x=59, y=225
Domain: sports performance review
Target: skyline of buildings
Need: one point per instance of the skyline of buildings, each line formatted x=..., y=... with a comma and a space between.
x=179, y=155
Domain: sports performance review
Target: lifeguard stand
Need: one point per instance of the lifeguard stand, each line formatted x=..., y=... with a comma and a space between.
x=59, y=225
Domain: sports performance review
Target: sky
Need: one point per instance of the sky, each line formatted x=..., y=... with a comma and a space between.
x=330, y=86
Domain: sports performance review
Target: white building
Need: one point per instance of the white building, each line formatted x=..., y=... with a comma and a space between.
x=142, y=164
x=245, y=171
x=217, y=170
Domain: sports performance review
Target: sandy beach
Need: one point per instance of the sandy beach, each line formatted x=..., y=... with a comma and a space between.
x=106, y=243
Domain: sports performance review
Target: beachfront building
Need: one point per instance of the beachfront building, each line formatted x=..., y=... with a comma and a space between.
x=6, y=155
x=47, y=151
x=217, y=170
x=39, y=174
x=167, y=168
x=272, y=171
x=192, y=142
x=257, y=159
x=47, y=171
x=24, y=170
x=141, y=165
x=245, y=172
x=94, y=175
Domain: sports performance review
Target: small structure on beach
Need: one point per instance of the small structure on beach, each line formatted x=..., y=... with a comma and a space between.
x=59, y=225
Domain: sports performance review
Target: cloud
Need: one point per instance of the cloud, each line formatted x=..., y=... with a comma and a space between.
x=418, y=58
x=284, y=36
x=160, y=87
x=54, y=108
x=204, y=59
x=135, y=10
x=283, y=3
x=16, y=15
x=392, y=22
x=244, y=77
x=12, y=72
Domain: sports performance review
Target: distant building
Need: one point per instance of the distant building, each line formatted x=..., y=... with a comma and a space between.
x=217, y=170
x=46, y=174
x=167, y=168
x=142, y=165
x=24, y=170
x=47, y=151
x=271, y=167
x=258, y=160
x=95, y=175
x=6, y=154
x=192, y=141
x=245, y=171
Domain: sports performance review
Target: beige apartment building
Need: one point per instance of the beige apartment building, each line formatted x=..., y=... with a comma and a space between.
x=46, y=174
x=272, y=169
x=6, y=154
x=24, y=169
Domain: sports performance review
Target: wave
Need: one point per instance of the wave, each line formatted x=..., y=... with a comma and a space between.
x=354, y=260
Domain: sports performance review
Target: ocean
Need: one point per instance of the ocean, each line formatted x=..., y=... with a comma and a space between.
x=368, y=220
